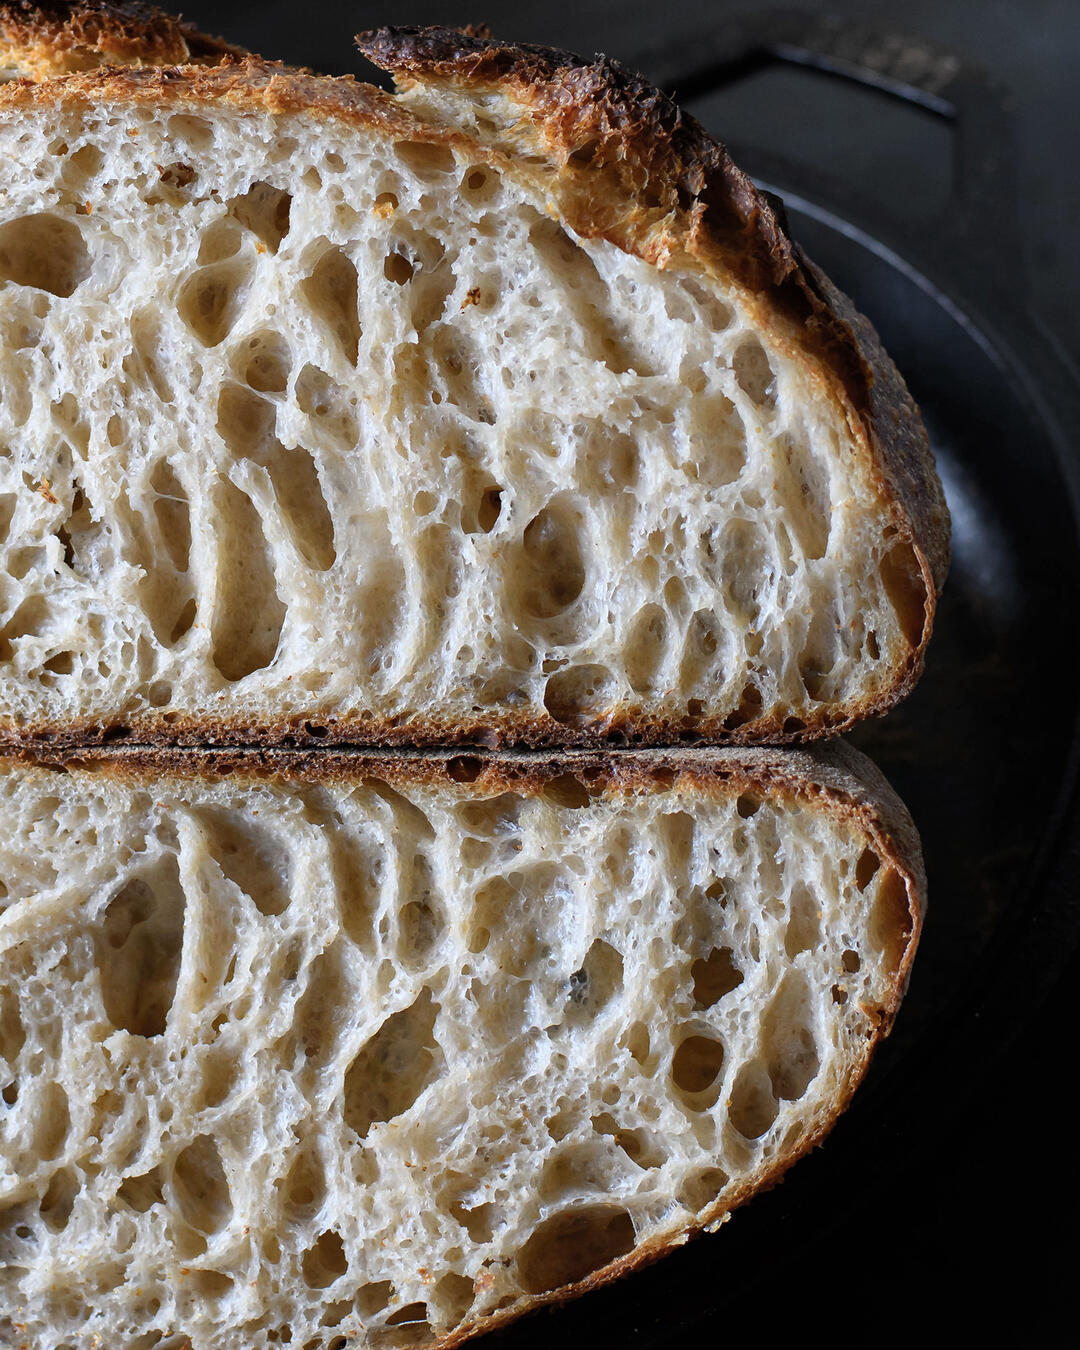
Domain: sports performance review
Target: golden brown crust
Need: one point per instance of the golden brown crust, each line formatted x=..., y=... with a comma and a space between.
x=834, y=778
x=40, y=40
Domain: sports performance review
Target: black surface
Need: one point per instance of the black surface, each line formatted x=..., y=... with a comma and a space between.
x=949, y=1185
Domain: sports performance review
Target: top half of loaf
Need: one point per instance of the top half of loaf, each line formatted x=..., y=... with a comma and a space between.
x=685, y=310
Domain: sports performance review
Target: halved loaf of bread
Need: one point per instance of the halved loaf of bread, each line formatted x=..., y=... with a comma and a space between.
x=304, y=1047
x=502, y=410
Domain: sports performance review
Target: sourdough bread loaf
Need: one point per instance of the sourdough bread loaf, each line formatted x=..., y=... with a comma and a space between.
x=501, y=411
x=296, y=1048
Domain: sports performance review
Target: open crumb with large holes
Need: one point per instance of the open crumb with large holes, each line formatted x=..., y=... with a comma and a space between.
x=362, y=423
x=404, y=1047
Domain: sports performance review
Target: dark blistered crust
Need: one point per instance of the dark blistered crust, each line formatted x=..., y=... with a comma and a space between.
x=39, y=41
x=833, y=778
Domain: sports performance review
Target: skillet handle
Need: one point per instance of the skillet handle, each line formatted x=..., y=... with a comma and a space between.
x=979, y=227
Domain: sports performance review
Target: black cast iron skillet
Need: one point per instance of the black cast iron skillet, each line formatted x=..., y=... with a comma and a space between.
x=984, y=752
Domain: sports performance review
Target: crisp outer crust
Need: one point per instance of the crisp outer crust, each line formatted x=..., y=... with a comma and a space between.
x=657, y=186
x=834, y=778
x=41, y=40
x=617, y=726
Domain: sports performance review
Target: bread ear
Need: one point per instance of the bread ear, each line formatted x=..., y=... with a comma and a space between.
x=41, y=41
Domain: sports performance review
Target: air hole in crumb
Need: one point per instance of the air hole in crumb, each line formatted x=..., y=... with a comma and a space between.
x=248, y=614
x=478, y=1220
x=151, y=349
x=586, y=153
x=645, y=648
x=866, y=868
x=172, y=513
x=250, y=856
x=696, y=1064
x=714, y=976
x=200, y=1186
x=480, y=183
x=567, y=790
x=211, y=1284
x=752, y=1107
x=398, y=269
x=637, y=1041
x=245, y=421
x=143, y=1191
x=701, y=1188
x=753, y=372
x=454, y=1294
x=138, y=948
x=571, y=271
x=264, y=210
x=747, y=805
x=571, y=1245
x=579, y=694
x=28, y=620
x=749, y=708
x=299, y=494
x=210, y=300
x=851, y=961
x=331, y=290
x=325, y=1261
x=266, y=361
x=219, y=241
x=890, y=919
x=63, y=663
x=43, y=251
x=59, y=1199
x=195, y=132
x=906, y=589
x=419, y=926
x=464, y=768
x=594, y=985
x=410, y=1315
x=325, y=400
x=791, y=1055
x=424, y=159
x=394, y=1067
x=184, y=621
x=374, y=1297
x=83, y=164
x=804, y=921
x=488, y=510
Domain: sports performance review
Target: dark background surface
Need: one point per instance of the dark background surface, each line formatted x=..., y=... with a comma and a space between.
x=971, y=1216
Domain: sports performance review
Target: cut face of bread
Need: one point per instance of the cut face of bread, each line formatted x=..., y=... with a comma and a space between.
x=326, y=415
x=398, y=1049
